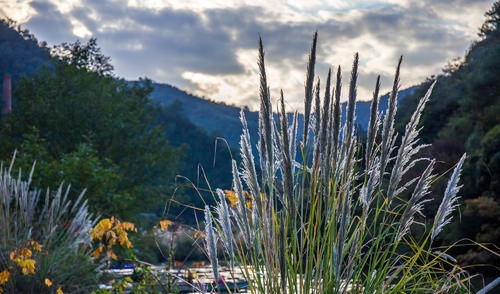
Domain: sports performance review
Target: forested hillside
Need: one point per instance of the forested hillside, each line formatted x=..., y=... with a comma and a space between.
x=463, y=115
x=216, y=118
x=92, y=131
x=20, y=52
x=223, y=120
x=87, y=128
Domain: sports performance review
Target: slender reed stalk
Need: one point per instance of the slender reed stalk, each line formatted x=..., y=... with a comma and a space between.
x=309, y=88
x=211, y=243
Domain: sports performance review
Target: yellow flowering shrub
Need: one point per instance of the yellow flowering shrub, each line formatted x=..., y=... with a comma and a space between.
x=231, y=197
x=109, y=232
x=198, y=234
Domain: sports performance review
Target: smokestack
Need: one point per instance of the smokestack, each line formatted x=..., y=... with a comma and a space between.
x=7, y=95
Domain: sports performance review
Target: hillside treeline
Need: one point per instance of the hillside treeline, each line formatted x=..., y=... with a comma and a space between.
x=463, y=115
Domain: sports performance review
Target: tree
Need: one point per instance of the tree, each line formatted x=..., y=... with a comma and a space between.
x=87, y=56
x=490, y=26
x=92, y=126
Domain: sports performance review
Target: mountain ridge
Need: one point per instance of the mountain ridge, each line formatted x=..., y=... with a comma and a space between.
x=223, y=120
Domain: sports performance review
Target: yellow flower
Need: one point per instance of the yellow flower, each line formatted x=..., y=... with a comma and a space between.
x=97, y=253
x=27, y=265
x=48, y=282
x=101, y=228
x=198, y=233
x=59, y=290
x=111, y=254
x=248, y=199
x=22, y=257
x=231, y=196
x=110, y=231
x=4, y=276
x=128, y=226
x=21, y=253
x=164, y=224
x=34, y=245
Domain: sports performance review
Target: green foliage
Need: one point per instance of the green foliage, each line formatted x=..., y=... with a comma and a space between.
x=207, y=158
x=84, y=56
x=208, y=115
x=82, y=168
x=148, y=248
x=64, y=266
x=492, y=23
x=94, y=132
x=482, y=215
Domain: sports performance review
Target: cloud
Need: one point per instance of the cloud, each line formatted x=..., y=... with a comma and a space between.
x=19, y=11
x=43, y=23
x=210, y=48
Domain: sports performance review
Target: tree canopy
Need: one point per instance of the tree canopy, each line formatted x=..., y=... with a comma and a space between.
x=91, y=130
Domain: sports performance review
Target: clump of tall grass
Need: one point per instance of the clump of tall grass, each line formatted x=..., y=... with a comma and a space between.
x=329, y=214
x=59, y=225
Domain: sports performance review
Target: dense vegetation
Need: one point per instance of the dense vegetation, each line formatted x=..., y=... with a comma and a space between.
x=463, y=116
x=20, y=52
x=89, y=129
x=85, y=127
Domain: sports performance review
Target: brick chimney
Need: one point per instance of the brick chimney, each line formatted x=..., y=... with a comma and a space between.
x=7, y=95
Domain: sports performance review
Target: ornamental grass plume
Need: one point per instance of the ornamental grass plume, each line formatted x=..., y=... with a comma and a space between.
x=211, y=243
x=223, y=218
x=450, y=201
x=330, y=213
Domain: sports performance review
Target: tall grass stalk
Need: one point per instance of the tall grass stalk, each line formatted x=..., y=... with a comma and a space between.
x=328, y=213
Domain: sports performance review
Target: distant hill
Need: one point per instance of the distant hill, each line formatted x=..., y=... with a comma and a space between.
x=216, y=118
x=223, y=120
x=20, y=52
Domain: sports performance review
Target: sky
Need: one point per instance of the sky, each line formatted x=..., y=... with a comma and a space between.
x=209, y=47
